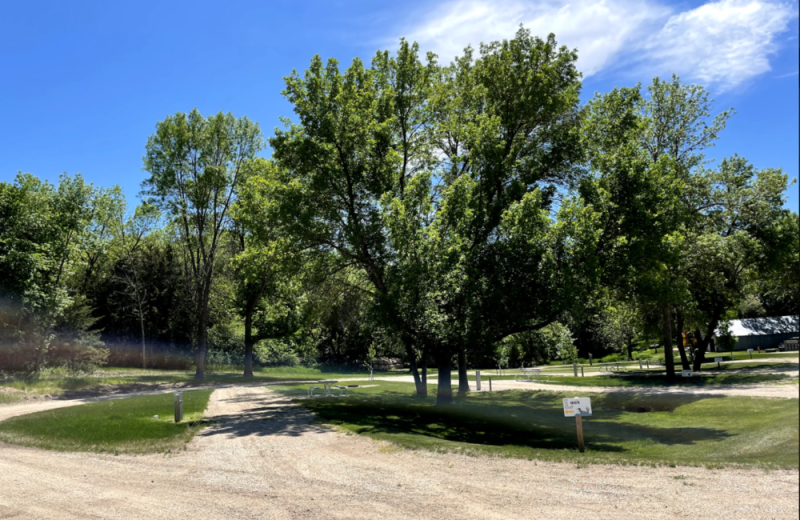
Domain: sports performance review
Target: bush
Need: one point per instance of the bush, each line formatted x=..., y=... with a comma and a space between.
x=613, y=358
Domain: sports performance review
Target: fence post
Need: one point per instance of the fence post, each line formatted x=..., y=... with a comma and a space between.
x=478, y=380
x=575, y=369
x=582, y=372
x=640, y=364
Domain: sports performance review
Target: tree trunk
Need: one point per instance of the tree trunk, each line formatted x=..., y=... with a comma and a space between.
x=681, y=344
x=444, y=390
x=248, y=343
x=669, y=361
x=424, y=362
x=630, y=350
x=144, y=346
x=202, y=344
x=421, y=387
x=463, y=378
x=702, y=345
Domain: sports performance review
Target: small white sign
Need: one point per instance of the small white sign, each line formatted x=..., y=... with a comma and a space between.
x=717, y=360
x=577, y=406
x=686, y=373
x=750, y=350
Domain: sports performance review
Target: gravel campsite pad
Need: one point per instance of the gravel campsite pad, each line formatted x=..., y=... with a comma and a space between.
x=264, y=457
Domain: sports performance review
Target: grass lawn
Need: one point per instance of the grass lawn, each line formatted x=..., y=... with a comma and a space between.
x=643, y=379
x=14, y=389
x=732, y=374
x=116, y=426
x=673, y=430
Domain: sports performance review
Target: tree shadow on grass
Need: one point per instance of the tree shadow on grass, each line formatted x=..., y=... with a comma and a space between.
x=525, y=419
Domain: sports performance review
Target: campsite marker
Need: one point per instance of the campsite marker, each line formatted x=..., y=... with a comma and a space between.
x=717, y=360
x=578, y=407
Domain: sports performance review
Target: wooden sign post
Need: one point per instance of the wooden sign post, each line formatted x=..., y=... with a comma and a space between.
x=578, y=407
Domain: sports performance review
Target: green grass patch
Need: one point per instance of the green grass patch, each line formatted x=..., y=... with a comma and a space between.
x=114, y=426
x=14, y=389
x=643, y=379
x=711, y=375
x=625, y=428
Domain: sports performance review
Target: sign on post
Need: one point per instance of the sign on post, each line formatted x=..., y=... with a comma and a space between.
x=717, y=360
x=686, y=373
x=578, y=407
x=750, y=351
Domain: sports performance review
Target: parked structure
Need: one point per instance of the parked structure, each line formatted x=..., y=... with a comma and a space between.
x=754, y=333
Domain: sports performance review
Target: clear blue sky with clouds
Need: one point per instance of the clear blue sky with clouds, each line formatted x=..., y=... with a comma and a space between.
x=84, y=83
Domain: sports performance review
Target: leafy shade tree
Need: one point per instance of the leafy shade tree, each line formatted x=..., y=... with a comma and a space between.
x=195, y=165
x=620, y=325
x=457, y=246
x=41, y=239
x=129, y=234
x=740, y=234
x=645, y=153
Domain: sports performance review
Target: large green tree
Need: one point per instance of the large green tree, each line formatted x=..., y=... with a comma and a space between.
x=195, y=165
x=441, y=185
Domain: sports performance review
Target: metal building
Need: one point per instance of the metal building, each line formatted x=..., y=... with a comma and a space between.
x=752, y=333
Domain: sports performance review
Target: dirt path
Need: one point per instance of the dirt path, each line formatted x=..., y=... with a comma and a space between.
x=264, y=458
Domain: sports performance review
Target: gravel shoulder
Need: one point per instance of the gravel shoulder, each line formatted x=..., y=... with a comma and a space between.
x=264, y=457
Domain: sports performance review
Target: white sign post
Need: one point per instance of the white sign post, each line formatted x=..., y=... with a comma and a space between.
x=750, y=351
x=686, y=373
x=478, y=380
x=717, y=360
x=578, y=407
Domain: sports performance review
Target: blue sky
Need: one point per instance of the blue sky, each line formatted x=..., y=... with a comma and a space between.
x=84, y=83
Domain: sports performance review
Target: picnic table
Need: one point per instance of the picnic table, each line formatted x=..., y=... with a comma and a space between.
x=327, y=388
x=611, y=367
x=530, y=374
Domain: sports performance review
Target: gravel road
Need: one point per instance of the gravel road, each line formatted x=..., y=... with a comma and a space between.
x=264, y=458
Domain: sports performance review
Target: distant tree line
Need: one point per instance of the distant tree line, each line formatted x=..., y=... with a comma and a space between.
x=464, y=214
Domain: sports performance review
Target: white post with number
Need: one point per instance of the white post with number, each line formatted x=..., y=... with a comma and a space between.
x=178, y=405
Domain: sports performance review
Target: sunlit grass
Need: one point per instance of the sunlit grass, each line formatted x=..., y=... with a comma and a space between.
x=115, y=426
x=14, y=389
x=625, y=428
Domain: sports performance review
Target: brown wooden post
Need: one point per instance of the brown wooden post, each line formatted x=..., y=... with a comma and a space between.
x=579, y=426
x=490, y=383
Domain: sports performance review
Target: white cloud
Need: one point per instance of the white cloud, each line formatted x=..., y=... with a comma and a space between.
x=722, y=43
x=598, y=29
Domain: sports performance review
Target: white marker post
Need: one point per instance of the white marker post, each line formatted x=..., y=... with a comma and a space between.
x=686, y=373
x=478, y=380
x=750, y=351
x=717, y=360
x=578, y=407
x=178, y=405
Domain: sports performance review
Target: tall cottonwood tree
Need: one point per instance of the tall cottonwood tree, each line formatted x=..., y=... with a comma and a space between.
x=458, y=245
x=195, y=165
